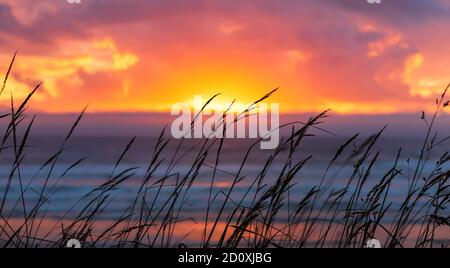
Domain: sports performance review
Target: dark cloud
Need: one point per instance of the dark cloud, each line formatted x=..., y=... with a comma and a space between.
x=8, y=24
x=74, y=20
x=400, y=13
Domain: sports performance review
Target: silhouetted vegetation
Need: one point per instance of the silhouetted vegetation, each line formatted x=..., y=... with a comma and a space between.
x=263, y=215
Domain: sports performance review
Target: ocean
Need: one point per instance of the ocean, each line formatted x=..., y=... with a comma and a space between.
x=64, y=194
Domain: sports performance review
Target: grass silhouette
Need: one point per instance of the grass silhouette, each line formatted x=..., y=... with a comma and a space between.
x=262, y=216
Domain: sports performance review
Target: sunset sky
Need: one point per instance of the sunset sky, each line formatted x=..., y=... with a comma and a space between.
x=141, y=55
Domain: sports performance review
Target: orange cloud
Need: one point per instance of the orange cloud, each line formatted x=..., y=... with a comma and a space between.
x=158, y=53
x=98, y=56
x=230, y=28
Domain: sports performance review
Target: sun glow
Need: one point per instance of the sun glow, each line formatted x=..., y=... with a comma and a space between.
x=116, y=63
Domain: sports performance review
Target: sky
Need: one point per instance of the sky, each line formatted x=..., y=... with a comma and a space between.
x=144, y=56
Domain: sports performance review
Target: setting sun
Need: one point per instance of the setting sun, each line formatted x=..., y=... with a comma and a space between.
x=356, y=63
